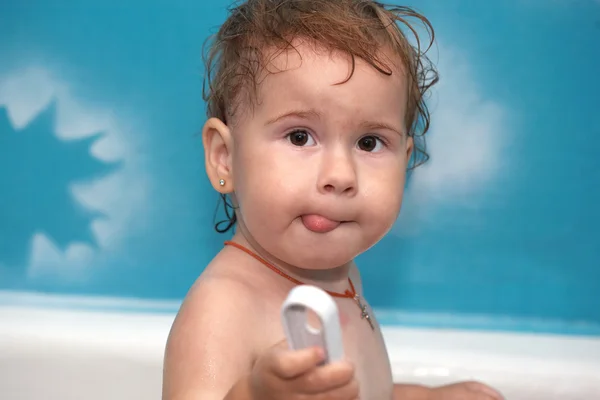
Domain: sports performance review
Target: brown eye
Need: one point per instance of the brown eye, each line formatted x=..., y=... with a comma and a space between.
x=368, y=143
x=299, y=138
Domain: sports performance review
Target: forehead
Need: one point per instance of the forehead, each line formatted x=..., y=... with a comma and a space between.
x=310, y=76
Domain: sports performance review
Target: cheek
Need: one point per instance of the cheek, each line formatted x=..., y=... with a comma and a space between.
x=386, y=178
x=267, y=167
x=265, y=186
x=383, y=192
x=252, y=172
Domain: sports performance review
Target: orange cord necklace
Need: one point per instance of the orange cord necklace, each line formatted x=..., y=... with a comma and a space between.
x=349, y=293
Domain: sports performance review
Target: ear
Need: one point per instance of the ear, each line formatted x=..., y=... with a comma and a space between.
x=410, y=146
x=218, y=146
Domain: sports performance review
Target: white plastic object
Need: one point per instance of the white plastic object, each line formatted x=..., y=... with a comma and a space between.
x=297, y=329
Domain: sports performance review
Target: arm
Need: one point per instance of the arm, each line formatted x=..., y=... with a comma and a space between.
x=240, y=391
x=470, y=390
x=209, y=349
x=411, y=392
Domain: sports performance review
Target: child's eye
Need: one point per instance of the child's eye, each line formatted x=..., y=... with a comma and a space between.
x=370, y=143
x=301, y=138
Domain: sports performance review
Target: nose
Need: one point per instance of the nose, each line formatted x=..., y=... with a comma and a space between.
x=337, y=174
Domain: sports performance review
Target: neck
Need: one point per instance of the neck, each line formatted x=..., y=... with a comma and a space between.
x=333, y=279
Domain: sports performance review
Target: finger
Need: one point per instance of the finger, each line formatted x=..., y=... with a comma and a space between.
x=282, y=344
x=288, y=364
x=480, y=387
x=326, y=378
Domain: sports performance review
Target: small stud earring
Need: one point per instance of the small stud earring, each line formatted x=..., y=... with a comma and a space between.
x=222, y=182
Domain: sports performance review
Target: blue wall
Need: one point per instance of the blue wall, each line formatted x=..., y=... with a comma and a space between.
x=102, y=188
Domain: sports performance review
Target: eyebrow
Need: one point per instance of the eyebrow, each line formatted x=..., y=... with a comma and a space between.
x=382, y=125
x=314, y=114
x=303, y=114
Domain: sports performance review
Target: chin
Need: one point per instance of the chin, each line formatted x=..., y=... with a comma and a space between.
x=327, y=261
x=324, y=256
x=320, y=263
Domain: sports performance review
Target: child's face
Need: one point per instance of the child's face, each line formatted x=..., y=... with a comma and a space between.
x=319, y=156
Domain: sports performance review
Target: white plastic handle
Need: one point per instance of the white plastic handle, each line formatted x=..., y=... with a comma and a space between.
x=295, y=322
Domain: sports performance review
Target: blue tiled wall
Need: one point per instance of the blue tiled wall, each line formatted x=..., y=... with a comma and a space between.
x=102, y=188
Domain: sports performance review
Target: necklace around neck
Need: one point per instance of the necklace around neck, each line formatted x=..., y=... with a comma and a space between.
x=349, y=293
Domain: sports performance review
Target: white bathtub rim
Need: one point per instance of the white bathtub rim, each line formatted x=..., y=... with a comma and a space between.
x=144, y=335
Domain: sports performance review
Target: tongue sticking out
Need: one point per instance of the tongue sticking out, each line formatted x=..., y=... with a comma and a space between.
x=318, y=223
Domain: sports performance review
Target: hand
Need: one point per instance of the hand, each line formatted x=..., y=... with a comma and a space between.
x=465, y=391
x=283, y=374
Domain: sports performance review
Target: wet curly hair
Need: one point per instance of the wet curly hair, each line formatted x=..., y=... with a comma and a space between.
x=236, y=56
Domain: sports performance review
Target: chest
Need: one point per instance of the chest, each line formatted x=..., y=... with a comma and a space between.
x=363, y=345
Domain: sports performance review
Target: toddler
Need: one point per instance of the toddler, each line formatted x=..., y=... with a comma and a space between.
x=316, y=111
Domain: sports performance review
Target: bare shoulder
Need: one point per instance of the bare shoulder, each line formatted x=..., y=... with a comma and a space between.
x=213, y=338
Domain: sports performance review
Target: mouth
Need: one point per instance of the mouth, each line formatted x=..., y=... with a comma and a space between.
x=319, y=224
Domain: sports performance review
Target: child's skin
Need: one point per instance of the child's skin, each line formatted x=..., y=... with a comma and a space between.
x=345, y=162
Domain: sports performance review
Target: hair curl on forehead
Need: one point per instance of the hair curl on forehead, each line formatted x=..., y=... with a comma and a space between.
x=237, y=54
